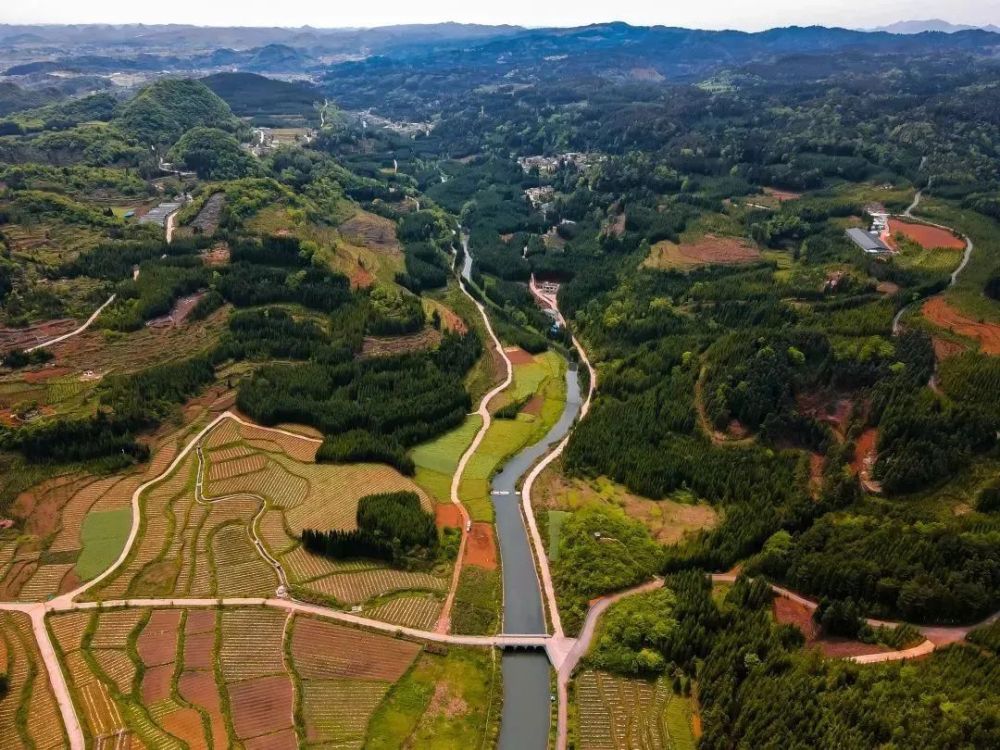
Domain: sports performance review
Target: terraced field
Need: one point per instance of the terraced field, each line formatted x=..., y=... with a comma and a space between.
x=214, y=678
x=29, y=691
x=616, y=713
x=200, y=549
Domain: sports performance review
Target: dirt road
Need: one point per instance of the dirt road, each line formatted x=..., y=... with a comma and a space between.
x=444, y=620
x=78, y=331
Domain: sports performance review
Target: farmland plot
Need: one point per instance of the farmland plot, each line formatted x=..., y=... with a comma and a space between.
x=616, y=713
x=420, y=611
x=29, y=690
x=355, y=588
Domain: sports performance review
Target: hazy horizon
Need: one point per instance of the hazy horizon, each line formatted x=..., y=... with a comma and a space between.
x=761, y=15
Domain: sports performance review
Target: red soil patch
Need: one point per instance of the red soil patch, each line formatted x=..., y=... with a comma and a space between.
x=944, y=349
x=283, y=740
x=322, y=650
x=70, y=582
x=22, y=338
x=199, y=621
x=816, y=461
x=156, y=683
x=41, y=507
x=782, y=195
x=823, y=407
x=841, y=648
x=261, y=706
x=940, y=313
x=46, y=373
x=886, y=287
x=198, y=650
x=518, y=356
x=864, y=451
x=186, y=724
x=480, y=549
x=199, y=689
x=926, y=236
x=534, y=405
x=157, y=643
x=361, y=277
x=789, y=612
x=447, y=515
x=217, y=256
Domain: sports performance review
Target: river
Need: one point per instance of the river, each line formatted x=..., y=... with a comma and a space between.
x=524, y=724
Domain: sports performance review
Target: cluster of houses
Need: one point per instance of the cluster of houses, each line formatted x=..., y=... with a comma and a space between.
x=552, y=164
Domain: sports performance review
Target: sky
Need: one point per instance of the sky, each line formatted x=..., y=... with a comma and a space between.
x=749, y=15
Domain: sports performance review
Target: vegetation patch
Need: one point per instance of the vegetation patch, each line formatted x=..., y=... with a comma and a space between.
x=104, y=535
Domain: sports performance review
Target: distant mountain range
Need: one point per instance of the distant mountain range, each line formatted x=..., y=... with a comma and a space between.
x=932, y=24
x=607, y=49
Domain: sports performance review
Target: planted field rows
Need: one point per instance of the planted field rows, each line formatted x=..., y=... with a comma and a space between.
x=235, y=467
x=299, y=448
x=356, y=588
x=44, y=582
x=239, y=568
x=251, y=643
x=322, y=650
x=156, y=528
x=29, y=690
x=337, y=712
x=302, y=565
x=74, y=511
x=271, y=530
x=420, y=611
x=281, y=488
x=616, y=713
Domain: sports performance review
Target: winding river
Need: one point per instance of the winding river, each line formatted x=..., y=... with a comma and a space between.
x=527, y=689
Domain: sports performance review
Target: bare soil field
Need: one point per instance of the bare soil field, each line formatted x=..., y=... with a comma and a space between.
x=926, y=236
x=218, y=255
x=944, y=348
x=22, y=338
x=323, y=650
x=790, y=612
x=782, y=195
x=481, y=549
x=942, y=314
x=518, y=356
x=384, y=346
x=372, y=231
x=176, y=317
x=447, y=515
x=886, y=287
x=261, y=706
x=709, y=250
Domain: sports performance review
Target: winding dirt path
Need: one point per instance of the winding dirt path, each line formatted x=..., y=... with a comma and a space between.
x=78, y=331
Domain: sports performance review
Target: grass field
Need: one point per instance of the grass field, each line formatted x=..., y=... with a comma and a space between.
x=556, y=519
x=477, y=602
x=617, y=713
x=447, y=702
x=437, y=460
x=668, y=520
x=104, y=534
x=545, y=374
